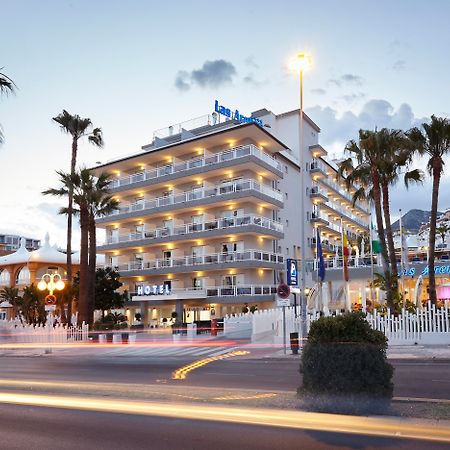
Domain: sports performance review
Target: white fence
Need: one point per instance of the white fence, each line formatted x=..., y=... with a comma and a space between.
x=13, y=331
x=429, y=325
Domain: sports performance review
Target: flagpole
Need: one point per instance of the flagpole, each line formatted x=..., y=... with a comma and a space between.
x=402, y=262
x=371, y=259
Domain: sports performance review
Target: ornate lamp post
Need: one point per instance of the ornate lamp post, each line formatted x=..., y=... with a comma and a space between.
x=52, y=282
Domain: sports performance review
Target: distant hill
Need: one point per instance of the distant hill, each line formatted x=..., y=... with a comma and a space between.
x=412, y=220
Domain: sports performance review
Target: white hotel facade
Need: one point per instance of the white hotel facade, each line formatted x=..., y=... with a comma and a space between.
x=210, y=211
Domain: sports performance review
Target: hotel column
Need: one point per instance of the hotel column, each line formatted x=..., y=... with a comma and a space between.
x=144, y=313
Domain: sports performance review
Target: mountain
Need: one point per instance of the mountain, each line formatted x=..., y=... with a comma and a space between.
x=412, y=220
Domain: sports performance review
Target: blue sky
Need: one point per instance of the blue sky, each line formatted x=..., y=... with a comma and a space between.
x=375, y=64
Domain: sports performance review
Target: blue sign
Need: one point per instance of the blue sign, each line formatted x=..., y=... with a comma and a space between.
x=438, y=270
x=292, y=272
x=236, y=115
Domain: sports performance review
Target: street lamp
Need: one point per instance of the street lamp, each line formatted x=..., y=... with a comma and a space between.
x=52, y=282
x=298, y=64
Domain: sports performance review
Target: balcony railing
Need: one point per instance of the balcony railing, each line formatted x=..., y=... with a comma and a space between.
x=204, y=161
x=189, y=228
x=232, y=291
x=343, y=192
x=318, y=215
x=200, y=193
x=215, y=258
x=222, y=291
x=317, y=165
x=347, y=213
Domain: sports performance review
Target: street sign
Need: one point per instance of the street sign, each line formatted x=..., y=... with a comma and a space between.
x=292, y=272
x=50, y=299
x=51, y=308
x=283, y=293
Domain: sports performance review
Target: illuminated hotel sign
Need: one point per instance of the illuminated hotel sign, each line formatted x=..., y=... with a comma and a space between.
x=161, y=289
x=236, y=115
x=412, y=271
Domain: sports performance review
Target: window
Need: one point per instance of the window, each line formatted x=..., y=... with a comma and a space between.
x=287, y=223
x=287, y=251
x=286, y=195
x=285, y=169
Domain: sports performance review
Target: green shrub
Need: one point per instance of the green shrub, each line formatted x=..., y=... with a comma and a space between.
x=344, y=367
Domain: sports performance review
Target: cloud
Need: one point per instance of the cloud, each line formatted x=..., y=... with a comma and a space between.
x=399, y=65
x=250, y=79
x=250, y=61
x=318, y=91
x=338, y=129
x=347, y=79
x=212, y=74
x=352, y=98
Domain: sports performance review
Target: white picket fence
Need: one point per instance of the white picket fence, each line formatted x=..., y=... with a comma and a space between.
x=427, y=326
x=13, y=331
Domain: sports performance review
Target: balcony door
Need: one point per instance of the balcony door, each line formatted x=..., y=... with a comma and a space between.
x=198, y=252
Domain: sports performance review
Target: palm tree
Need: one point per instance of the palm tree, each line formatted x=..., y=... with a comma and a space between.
x=442, y=230
x=398, y=153
x=6, y=86
x=12, y=296
x=78, y=128
x=433, y=140
x=100, y=203
x=362, y=168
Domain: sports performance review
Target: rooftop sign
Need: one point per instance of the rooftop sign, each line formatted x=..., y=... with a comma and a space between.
x=235, y=115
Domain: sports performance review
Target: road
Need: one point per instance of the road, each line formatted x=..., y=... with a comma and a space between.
x=412, y=378
x=32, y=428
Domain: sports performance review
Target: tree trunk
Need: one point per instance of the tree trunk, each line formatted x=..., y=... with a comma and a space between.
x=83, y=300
x=92, y=266
x=437, y=170
x=381, y=234
x=69, y=275
x=389, y=237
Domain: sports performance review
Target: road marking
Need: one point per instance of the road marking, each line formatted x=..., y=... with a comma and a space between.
x=331, y=423
x=181, y=373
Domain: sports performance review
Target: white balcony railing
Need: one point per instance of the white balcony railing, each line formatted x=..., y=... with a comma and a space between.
x=347, y=213
x=215, y=258
x=203, y=161
x=342, y=191
x=317, y=165
x=201, y=193
x=189, y=228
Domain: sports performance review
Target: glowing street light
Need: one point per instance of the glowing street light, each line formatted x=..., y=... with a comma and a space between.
x=299, y=63
x=52, y=282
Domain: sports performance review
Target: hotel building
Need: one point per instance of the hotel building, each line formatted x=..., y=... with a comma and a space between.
x=210, y=211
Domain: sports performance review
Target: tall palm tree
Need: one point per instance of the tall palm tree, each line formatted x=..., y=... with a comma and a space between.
x=100, y=203
x=6, y=86
x=398, y=153
x=77, y=128
x=433, y=140
x=363, y=169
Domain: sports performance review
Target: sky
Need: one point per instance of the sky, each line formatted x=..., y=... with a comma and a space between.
x=137, y=66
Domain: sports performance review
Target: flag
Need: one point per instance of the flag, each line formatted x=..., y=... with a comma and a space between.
x=376, y=246
x=346, y=254
x=320, y=260
x=404, y=247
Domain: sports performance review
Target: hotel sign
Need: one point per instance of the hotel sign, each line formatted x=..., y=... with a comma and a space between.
x=236, y=115
x=161, y=289
x=420, y=270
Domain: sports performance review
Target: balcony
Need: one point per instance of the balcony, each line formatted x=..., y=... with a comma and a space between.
x=192, y=166
x=317, y=170
x=196, y=197
x=319, y=217
x=212, y=291
x=317, y=150
x=215, y=261
x=343, y=193
x=346, y=212
x=247, y=223
x=318, y=194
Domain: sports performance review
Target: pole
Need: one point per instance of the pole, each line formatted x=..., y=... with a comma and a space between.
x=284, y=329
x=402, y=262
x=302, y=297
x=372, y=299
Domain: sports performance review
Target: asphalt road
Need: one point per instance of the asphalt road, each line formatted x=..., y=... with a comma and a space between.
x=413, y=378
x=32, y=428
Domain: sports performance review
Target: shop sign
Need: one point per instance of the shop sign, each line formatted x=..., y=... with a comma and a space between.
x=412, y=271
x=235, y=115
x=156, y=289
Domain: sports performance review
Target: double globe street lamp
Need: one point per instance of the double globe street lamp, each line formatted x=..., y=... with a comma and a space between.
x=52, y=282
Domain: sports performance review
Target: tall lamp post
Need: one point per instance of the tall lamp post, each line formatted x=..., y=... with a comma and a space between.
x=52, y=282
x=298, y=64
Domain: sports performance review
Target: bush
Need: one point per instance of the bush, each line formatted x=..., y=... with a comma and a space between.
x=344, y=367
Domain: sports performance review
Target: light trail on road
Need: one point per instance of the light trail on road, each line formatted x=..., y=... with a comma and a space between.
x=373, y=426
